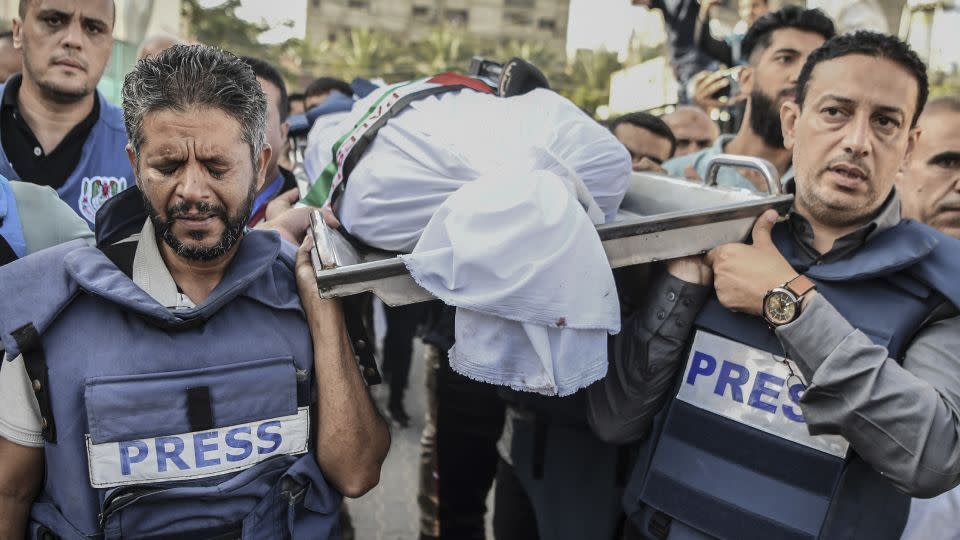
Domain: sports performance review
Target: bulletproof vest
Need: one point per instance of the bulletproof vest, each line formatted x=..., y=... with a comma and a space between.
x=165, y=423
x=731, y=455
x=103, y=170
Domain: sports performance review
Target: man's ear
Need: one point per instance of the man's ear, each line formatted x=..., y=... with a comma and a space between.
x=132, y=157
x=265, y=154
x=789, y=116
x=17, y=31
x=912, y=139
x=745, y=78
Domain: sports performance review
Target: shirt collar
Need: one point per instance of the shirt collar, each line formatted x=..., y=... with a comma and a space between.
x=886, y=217
x=150, y=272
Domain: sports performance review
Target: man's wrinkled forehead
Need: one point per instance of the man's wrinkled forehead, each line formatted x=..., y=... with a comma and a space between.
x=104, y=11
x=895, y=92
x=200, y=130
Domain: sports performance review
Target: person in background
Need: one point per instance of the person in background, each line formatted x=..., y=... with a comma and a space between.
x=402, y=323
x=693, y=129
x=11, y=61
x=56, y=129
x=929, y=184
x=319, y=90
x=154, y=45
x=776, y=47
x=32, y=218
x=728, y=50
x=680, y=18
x=297, y=103
x=279, y=179
x=647, y=138
x=929, y=188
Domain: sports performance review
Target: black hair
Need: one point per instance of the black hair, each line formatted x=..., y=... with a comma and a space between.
x=648, y=122
x=871, y=44
x=267, y=72
x=761, y=31
x=324, y=85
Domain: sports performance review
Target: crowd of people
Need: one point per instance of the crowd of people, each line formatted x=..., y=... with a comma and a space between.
x=171, y=370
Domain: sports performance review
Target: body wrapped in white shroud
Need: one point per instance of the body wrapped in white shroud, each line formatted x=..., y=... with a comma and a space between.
x=497, y=199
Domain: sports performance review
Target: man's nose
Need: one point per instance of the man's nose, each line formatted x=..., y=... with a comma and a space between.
x=73, y=37
x=856, y=139
x=194, y=185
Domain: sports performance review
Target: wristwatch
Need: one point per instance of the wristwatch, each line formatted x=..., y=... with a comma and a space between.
x=781, y=305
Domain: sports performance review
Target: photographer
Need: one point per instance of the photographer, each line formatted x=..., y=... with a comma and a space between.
x=777, y=45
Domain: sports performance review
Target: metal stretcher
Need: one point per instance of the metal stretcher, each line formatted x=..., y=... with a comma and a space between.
x=660, y=218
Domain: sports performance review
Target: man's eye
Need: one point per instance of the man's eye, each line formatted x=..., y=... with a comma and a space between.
x=94, y=29
x=832, y=112
x=950, y=163
x=886, y=122
x=54, y=20
x=217, y=173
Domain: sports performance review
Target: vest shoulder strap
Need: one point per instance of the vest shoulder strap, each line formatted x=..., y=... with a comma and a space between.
x=35, y=362
x=34, y=290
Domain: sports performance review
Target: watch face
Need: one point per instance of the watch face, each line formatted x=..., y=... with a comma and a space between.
x=779, y=307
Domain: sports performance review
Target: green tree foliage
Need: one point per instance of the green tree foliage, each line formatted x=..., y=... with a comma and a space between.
x=362, y=52
x=220, y=26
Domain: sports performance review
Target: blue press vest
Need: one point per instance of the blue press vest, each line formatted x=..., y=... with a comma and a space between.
x=120, y=367
x=103, y=170
x=732, y=481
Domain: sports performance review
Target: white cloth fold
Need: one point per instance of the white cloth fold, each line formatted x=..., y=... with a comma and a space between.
x=498, y=198
x=516, y=252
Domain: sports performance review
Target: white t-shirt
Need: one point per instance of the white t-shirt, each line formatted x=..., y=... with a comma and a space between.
x=19, y=410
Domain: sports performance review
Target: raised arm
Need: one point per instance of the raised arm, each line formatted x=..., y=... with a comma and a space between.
x=352, y=437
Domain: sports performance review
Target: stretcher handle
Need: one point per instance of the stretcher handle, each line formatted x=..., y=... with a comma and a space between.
x=764, y=167
x=323, y=252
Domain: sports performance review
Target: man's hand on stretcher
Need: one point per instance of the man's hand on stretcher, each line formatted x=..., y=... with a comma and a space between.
x=292, y=223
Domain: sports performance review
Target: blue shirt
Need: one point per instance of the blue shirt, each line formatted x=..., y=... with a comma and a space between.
x=727, y=176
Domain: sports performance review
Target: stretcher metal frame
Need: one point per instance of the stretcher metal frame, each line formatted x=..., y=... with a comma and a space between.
x=720, y=215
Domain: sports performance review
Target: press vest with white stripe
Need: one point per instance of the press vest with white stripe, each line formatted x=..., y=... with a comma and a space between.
x=731, y=455
x=164, y=423
x=103, y=169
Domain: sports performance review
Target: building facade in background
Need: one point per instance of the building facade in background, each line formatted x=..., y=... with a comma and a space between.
x=543, y=21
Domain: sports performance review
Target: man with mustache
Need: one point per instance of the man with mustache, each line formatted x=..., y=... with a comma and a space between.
x=929, y=187
x=929, y=183
x=56, y=129
x=775, y=48
x=187, y=381
x=813, y=389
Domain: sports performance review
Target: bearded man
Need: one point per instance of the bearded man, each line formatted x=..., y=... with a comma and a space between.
x=776, y=46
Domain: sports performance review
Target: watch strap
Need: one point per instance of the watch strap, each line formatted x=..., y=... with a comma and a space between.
x=800, y=285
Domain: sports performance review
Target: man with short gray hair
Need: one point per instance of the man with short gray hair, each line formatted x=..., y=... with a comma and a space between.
x=188, y=380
